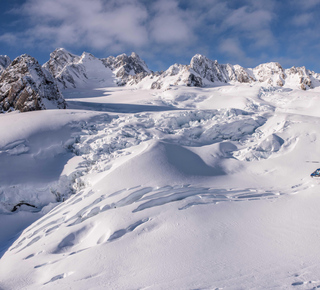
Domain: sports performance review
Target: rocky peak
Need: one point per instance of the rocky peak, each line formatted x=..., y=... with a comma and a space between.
x=212, y=71
x=305, y=78
x=86, y=56
x=207, y=68
x=271, y=72
x=126, y=67
x=58, y=60
x=26, y=86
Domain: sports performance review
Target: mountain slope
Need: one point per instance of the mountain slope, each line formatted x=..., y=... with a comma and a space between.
x=25, y=86
x=204, y=72
x=74, y=71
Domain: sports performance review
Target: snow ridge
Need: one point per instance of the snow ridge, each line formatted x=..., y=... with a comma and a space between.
x=205, y=72
x=74, y=71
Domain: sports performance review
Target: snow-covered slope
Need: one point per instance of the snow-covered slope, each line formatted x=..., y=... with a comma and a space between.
x=205, y=72
x=4, y=62
x=74, y=71
x=25, y=86
x=205, y=185
x=188, y=188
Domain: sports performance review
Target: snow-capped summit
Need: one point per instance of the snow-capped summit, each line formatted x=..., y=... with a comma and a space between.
x=200, y=72
x=74, y=71
x=205, y=72
x=271, y=72
x=26, y=86
x=58, y=60
x=127, y=67
x=4, y=62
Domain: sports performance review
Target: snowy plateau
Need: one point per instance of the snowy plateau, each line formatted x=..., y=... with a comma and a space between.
x=197, y=177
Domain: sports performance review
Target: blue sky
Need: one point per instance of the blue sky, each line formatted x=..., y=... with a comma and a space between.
x=162, y=32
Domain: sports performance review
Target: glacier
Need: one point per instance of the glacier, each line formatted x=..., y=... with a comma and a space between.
x=197, y=177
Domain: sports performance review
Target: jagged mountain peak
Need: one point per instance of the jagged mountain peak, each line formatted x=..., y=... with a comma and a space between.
x=59, y=58
x=131, y=64
x=203, y=71
x=26, y=86
x=73, y=71
x=87, y=56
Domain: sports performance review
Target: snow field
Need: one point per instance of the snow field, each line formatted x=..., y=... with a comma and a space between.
x=199, y=197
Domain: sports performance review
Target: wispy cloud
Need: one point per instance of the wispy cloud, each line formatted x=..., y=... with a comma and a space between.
x=232, y=47
x=170, y=23
x=303, y=19
x=244, y=31
x=95, y=23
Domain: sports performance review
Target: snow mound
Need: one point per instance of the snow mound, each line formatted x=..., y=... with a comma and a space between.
x=213, y=193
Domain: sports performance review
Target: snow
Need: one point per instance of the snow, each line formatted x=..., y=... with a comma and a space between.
x=180, y=188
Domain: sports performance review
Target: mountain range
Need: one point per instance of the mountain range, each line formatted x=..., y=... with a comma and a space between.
x=27, y=86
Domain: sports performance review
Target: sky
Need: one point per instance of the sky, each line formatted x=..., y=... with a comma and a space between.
x=164, y=32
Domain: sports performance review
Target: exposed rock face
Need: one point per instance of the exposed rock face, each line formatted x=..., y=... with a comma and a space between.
x=127, y=68
x=271, y=72
x=201, y=72
x=4, y=62
x=205, y=72
x=25, y=86
x=58, y=60
x=208, y=69
x=72, y=71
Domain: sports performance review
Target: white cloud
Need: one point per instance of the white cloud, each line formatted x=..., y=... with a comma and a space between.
x=231, y=47
x=8, y=38
x=95, y=23
x=302, y=19
x=104, y=24
x=170, y=24
x=307, y=4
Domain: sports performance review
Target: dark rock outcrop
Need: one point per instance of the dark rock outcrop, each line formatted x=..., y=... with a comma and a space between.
x=25, y=86
x=127, y=68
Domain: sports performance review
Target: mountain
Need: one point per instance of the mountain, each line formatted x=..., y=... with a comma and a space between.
x=25, y=86
x=127, y=68
x=74, y=71
x=4, y=62
x=189, y=188
x=205, y=72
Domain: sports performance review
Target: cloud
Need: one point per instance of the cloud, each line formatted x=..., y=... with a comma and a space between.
x=231, y=47
x=173, y=30
x=251, y=24
x=8, y=38
x=97, y=24
x=170, y=23
x=302, y=19
x=307, y=4
x=104, y=24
